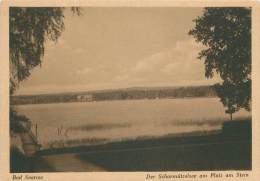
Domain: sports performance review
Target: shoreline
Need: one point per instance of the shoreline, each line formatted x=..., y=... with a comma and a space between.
x=200, y=137
x=113, y=100
x=224, y=150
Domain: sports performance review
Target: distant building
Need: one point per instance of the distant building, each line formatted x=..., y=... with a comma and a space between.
x=85, y=98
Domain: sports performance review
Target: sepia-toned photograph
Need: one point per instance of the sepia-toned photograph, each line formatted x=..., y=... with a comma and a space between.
x=126, y=89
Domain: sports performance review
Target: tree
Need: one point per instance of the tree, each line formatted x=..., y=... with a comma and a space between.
x=233, y=96
x=226, y=34
x=30, y=28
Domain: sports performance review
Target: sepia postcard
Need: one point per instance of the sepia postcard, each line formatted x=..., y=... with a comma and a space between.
x=129, y=90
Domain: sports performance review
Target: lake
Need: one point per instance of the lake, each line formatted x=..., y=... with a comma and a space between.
x=71, y=124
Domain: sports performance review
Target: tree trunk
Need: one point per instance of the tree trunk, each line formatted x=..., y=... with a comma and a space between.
x=231, y=118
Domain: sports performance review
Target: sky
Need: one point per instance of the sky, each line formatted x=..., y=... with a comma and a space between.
x=110, y=48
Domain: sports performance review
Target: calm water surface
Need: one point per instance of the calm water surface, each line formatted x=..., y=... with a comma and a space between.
x=70, y=124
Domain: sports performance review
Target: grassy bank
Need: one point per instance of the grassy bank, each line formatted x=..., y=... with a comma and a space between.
x=227, y=150
x=20, y=163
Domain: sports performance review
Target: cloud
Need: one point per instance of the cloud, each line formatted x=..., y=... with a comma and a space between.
x=150, y=63
x=171, y=67
x=175, y=65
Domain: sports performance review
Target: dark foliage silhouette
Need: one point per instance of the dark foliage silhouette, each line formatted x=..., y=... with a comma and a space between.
x=30, y=28
x=226, y=34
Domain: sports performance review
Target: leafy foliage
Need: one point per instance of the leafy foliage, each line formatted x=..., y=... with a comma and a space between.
x=234, y=96
x=18, y=123
x=226, y=34
x=30, y=28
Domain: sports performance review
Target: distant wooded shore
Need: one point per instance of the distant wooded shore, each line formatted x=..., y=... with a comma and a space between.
x=116, y=94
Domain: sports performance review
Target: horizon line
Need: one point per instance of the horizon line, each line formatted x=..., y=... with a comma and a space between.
x=110, y=89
